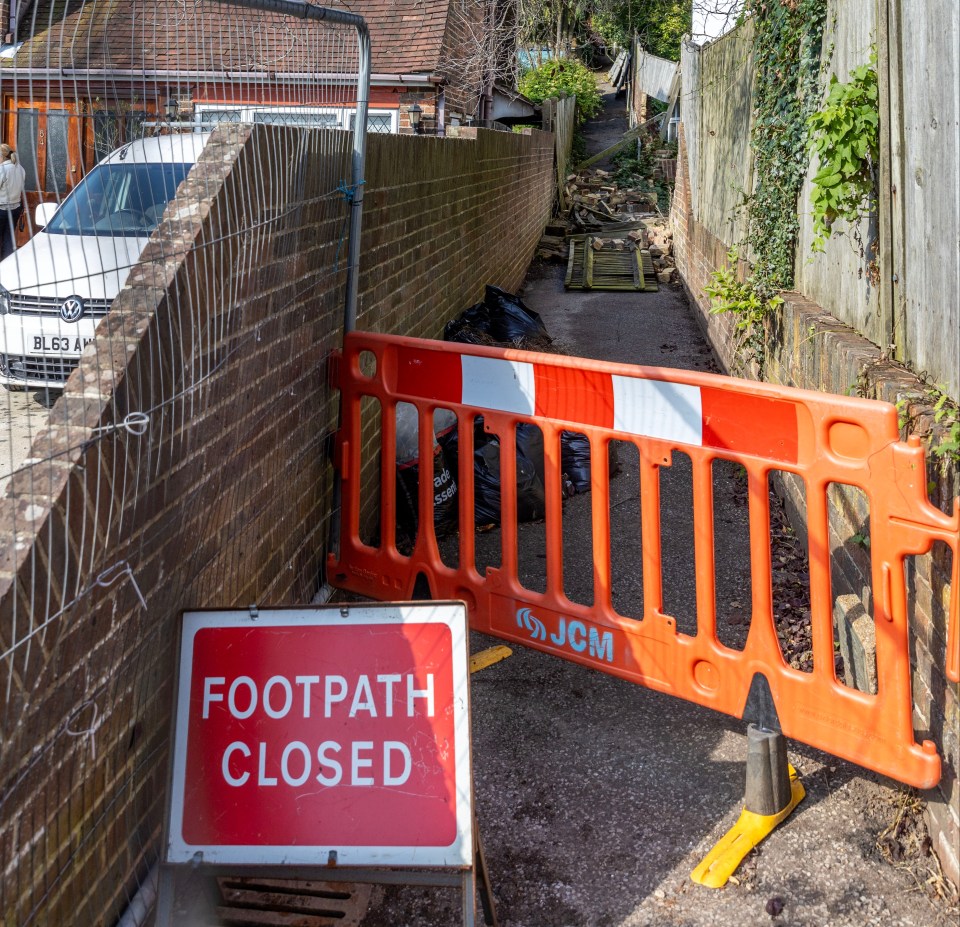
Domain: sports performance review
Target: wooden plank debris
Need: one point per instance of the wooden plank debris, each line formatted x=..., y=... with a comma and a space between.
x=589, y=268
x=252, y=902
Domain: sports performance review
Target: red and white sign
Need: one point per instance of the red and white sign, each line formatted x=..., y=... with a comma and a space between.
x=301, y=732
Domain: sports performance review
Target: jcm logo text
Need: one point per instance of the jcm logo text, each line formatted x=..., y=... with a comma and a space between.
x=570, y=634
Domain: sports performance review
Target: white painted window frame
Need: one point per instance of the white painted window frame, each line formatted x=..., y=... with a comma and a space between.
x=343, y=114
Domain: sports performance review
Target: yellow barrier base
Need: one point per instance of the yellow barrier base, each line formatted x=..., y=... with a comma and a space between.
x=722, y=861
x=488, y=657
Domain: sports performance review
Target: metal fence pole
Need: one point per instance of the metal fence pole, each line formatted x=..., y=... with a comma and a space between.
x=358, y=161
x=304, y=10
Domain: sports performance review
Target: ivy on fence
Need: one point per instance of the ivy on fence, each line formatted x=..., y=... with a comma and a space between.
x=788, y=40
x=845, y=136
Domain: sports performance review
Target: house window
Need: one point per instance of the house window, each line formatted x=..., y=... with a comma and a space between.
x=270, y=115
x=28, y=121
x=216, y=116
x=55, y=180
x=327, y=118
x=380, y=122
x=307, y=119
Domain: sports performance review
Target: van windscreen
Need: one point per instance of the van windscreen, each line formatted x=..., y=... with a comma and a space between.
x=119, y=199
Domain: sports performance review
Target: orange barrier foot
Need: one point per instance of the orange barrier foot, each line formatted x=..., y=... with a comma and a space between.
x=773, y=790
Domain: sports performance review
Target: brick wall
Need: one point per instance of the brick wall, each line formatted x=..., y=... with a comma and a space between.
x=470, y=215
x=221, y=493
x=427, y=101
x=639, y=104
x=808, y=348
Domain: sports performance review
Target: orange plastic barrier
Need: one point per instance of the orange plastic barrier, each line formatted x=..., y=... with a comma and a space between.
x=822, y=438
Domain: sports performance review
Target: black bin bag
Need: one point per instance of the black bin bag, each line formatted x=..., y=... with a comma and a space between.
x=408, y=481
x=575, y=459
x=510, y=319
x=486, y=475
x=472, y=326
x=530, y=446
x=501, y=319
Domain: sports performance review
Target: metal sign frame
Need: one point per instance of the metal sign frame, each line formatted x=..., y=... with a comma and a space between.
x=460, y=863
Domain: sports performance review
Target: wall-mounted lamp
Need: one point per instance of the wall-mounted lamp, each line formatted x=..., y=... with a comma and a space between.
x=416, y=114
x=171, y=109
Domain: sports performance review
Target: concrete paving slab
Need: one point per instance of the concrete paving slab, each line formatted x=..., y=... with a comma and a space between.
x=22, y=415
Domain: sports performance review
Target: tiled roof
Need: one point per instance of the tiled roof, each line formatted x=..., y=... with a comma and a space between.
x=197, y=35
x=407, y=34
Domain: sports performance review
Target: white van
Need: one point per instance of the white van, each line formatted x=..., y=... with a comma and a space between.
x=55, y=289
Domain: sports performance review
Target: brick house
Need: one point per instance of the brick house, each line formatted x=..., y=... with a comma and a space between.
x=79, y=77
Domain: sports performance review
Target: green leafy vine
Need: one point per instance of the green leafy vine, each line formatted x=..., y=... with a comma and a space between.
x=787, y=46
x=788, y=40
x=943, y=439
x=845, y=136
x=742, y=298
x=946, y=414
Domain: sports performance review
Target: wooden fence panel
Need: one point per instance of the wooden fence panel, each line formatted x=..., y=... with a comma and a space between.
x=726, y=119
x=841, y=279
x=690, y=114
x=559, y=115
x=654, y=75
x=928, y=306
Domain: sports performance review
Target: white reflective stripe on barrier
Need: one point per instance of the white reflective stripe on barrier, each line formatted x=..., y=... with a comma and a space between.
x=654, y=409
x=506, y=386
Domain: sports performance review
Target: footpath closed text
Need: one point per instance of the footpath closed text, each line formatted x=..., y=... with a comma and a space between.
x=333, y=697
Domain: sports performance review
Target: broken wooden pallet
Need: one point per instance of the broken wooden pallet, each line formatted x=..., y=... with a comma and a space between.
x=252, y=902
x=588, y=269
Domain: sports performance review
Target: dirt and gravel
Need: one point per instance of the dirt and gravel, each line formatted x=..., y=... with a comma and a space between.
x=608, y=126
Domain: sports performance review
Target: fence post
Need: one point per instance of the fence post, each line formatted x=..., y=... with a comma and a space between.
x=889, y=211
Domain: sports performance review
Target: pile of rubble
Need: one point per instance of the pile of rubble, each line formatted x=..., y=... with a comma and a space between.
x=634, y=239
x=660, y=238
x=595, y=200
x=610, y=217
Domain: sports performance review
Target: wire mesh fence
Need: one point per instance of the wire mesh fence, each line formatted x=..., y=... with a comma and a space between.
x=178, y=198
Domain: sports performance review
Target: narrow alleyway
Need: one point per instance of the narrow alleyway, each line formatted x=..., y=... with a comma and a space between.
x=606, y=128
x=595, y=797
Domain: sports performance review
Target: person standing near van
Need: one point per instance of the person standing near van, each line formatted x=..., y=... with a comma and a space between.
x=12, y=178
